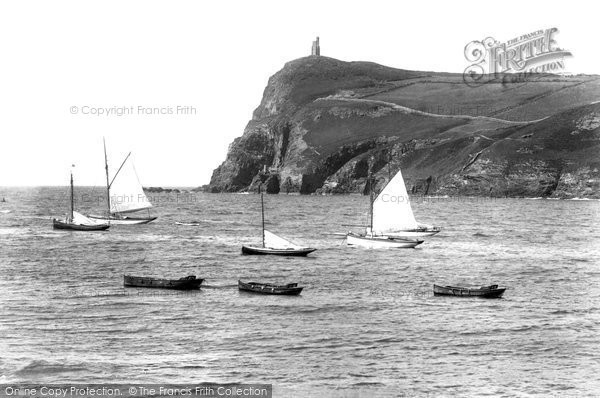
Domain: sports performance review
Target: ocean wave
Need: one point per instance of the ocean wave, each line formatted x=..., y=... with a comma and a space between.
x=229, y=286
x=43, y=367
x=361, y=375
x=369, y=384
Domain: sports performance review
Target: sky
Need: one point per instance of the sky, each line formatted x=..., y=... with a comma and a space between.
x=204, y=65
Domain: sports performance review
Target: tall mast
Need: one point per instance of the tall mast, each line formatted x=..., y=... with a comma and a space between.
x=107, y=182
x=371, y=200
x=262, y=212
x=72, y=196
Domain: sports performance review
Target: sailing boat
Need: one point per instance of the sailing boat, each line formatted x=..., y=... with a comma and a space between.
x=393, y=215
x=392, y=220
x=76, y=221
x=124, y=195
x=273, y=244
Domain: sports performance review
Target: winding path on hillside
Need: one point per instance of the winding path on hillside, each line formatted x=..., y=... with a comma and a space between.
x=417, y=112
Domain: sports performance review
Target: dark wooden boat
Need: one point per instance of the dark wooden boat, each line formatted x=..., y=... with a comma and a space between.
x=492, y=291
x=186, y=283
x=57, y=224
x=291, y=289
x=278, y=252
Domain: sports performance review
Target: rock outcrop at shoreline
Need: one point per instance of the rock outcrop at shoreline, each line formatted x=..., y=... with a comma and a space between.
x=161, y=190
x=324, y=125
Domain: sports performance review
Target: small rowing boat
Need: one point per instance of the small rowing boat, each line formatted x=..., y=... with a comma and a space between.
x=291, y=289
x=492, y=291
x=186, y=283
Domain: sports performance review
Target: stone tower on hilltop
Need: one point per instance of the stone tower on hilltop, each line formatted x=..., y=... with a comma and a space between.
x=316, y=49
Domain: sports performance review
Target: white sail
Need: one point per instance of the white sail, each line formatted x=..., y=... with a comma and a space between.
x=273, y=241
x=126, y=192
x=80, y=219
x=391, y=208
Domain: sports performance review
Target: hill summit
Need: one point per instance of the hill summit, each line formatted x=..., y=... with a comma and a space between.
x=324, y=125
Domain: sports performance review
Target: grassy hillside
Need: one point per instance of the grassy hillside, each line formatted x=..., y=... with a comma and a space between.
x=525, y=101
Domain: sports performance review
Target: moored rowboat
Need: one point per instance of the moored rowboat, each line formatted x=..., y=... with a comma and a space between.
x=492, y=291
x=291, y=289
x=186, y=283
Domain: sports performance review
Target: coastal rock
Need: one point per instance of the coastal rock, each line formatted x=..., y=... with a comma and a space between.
x=161, y=189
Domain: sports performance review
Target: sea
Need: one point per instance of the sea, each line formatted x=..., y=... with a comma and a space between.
x=366, y=324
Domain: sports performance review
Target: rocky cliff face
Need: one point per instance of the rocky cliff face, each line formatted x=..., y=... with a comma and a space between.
x=324, y=125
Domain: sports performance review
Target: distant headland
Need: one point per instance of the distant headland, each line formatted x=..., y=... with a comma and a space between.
x=324, y=125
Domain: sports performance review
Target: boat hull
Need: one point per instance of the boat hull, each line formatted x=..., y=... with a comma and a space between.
x=277, y=252
x=124, y=220
x=414, y=233
x=484, y=292
x=291, y=289
x=381, y=242
x=187, y=283
x=57, y=224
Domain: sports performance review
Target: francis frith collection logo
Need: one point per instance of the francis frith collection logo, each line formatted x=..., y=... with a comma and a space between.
x=515, y=59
